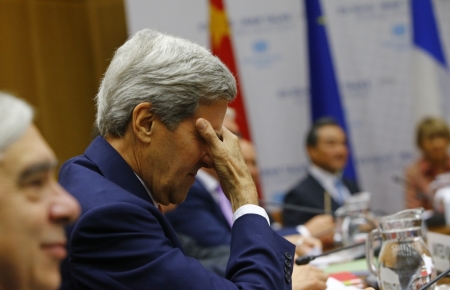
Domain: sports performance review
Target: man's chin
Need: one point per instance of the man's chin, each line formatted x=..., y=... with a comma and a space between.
x=178, y=201
x=51, y=280
x=179, y=197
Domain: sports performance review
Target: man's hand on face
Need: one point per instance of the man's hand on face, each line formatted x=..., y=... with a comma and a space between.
x=233, y=173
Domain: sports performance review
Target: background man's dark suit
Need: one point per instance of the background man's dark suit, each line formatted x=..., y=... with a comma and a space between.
x=122, y=241
x=309, y=193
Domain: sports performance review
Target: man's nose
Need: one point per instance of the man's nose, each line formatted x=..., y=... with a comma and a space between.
x=341, y=149
x=65, y=208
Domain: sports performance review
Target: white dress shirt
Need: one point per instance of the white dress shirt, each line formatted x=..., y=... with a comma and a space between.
x=148, y=191
x=328, y=180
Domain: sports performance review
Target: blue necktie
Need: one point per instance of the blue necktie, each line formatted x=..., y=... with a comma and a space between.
x=340, y=190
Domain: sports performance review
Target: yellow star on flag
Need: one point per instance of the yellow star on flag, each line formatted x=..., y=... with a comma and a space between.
x=218, y=25
x=321, y=20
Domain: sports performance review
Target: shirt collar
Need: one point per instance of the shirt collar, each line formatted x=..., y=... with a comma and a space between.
x=148, y=191
x=208, y=181
x=322, y=175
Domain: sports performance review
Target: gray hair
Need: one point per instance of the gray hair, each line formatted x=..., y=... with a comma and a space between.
x=313, y=134
x=15, y=117
x=173, y=74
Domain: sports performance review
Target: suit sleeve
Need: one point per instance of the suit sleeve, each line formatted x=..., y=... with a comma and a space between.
x=124, y=246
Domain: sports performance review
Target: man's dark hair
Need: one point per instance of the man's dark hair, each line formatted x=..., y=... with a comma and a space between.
x=311, y=138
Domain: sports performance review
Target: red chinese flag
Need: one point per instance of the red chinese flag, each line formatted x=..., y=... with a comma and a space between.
x=221, y=46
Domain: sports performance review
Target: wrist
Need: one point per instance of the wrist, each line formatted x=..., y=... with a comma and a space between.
x=243, y=195
x=303, y=230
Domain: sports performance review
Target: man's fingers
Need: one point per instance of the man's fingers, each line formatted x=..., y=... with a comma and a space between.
x=302, y=250
x=321, y=285
x=215, y=144
x=208, y=134
x=322, y=276
x=309, y=242
x=318, y=273
x=312, y=242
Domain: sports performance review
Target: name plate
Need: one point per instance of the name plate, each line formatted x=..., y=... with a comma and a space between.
x=439, y=246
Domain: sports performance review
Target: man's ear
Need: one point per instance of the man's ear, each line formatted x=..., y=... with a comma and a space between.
x=311, y=152
x=142, y=122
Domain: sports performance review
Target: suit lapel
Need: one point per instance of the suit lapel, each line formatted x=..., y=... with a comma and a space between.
x=114, y=167
x=321, y=197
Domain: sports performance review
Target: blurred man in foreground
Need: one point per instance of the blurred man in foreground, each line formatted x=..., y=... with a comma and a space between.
x=33, y=207
x=160, y=111
x=323, y=188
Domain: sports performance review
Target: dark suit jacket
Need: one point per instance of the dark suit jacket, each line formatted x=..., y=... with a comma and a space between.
x=309, y=193
x=212, y=258
x=201, y=218
x=122, y=241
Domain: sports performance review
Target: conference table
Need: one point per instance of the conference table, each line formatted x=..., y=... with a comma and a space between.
x=445, y=230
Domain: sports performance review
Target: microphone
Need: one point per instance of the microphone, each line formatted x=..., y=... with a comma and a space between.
x=300, y=208
x=442, y=275
x=306, y=259
x=305, y=208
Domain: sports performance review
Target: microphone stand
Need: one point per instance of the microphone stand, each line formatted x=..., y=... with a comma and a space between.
x=306, y=209
x=306, y=259
x=442, y=275
x=297, y=207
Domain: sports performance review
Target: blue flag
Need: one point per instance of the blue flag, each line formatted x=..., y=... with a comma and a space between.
x=425, y=31
x=430, y=70
x=325, y=98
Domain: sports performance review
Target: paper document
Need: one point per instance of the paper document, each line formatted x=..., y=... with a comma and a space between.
x=333, y=284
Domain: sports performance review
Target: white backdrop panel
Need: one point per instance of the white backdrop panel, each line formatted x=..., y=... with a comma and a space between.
x=270, y=43
x=372, y=52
